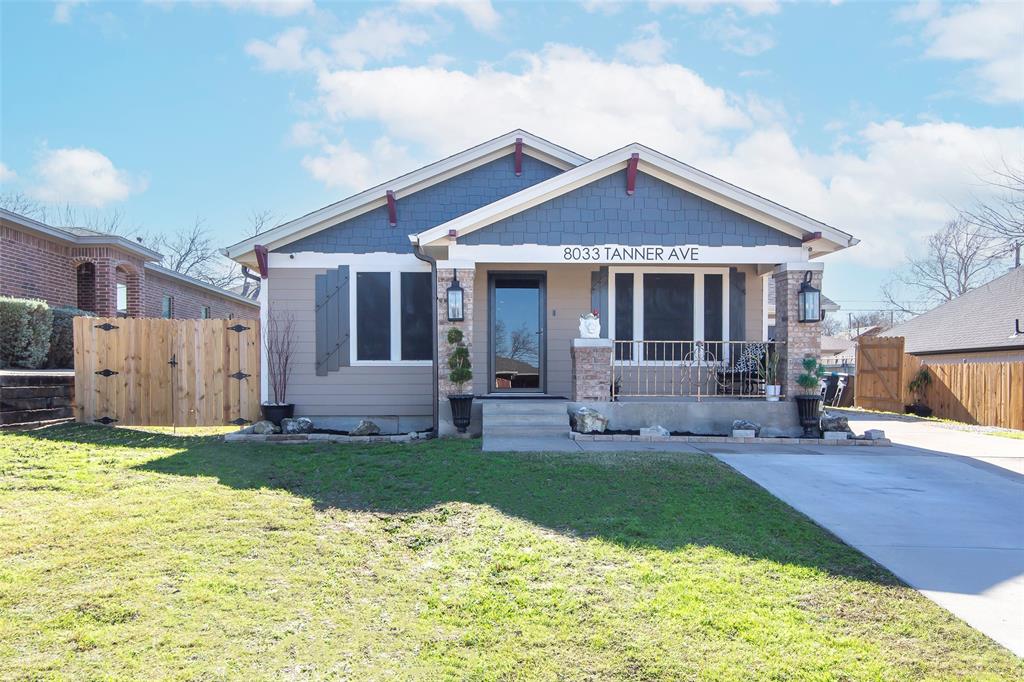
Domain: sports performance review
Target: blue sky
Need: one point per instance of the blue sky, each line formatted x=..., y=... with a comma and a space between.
x=878, y=118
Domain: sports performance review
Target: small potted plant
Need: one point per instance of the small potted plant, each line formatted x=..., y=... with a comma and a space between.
x=770, y=375
x=919, y=386
x=280, y=346
x=809, y=403
x=460, y=372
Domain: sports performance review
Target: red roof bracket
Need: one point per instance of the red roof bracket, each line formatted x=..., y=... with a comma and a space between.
x=392, y=209
x=811, y=237
x=453, y=234
x=519, y=156
x=634, y=160
x=261, y=260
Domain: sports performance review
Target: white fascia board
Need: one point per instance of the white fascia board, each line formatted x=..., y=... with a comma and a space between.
x=405, y=185
x=664, y=168
x=382, y=260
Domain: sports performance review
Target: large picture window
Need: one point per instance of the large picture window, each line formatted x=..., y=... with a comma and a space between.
x=668, y=305
x=392, y=317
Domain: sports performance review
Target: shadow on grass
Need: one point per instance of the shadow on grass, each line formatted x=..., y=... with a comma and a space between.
x=642, y=500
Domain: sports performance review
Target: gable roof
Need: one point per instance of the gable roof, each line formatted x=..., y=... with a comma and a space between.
x=79, y=236
x=405, y=185
x=206, y=286
x=981, y=319
x=822, y=238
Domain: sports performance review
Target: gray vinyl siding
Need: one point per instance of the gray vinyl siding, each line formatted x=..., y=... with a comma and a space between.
x=377, y=390
x=372, y=232
x=602, y=213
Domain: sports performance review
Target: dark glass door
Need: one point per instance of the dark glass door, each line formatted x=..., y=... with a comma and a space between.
x=517, y=338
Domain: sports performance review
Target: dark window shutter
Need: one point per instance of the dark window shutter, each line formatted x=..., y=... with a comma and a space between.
x=332, y=346
x=599, y=297
x=737, y=305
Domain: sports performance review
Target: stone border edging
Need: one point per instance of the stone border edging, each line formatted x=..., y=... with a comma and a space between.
x=318, y=438
x=625, y=438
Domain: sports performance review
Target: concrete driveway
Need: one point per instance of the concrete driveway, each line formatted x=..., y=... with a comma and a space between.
x=942, y=509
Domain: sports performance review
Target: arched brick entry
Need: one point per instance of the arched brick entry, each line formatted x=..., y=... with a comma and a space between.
x=86, y=282
x=129, y=277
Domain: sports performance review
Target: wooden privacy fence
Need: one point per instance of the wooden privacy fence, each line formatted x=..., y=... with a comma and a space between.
x=157, y=372
x=879, y=384
x=988, y=393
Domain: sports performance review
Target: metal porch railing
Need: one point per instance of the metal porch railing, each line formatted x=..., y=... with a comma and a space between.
x=694, y=369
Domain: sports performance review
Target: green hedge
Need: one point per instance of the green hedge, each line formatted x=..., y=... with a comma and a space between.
x=62, y=338
x=25, y=326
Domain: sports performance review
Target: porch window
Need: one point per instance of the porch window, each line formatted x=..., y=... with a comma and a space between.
x=122, y=299
x=393, y=317
x=668, y=305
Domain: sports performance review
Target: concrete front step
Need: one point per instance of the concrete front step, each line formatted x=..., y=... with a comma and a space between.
x=507, y=420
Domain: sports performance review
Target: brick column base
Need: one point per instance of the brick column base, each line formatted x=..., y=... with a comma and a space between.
x=591, y=370
x=801, y=339
x=444, y=279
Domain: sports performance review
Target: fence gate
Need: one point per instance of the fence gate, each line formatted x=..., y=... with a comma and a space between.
x=157, y=372
x=879, y=384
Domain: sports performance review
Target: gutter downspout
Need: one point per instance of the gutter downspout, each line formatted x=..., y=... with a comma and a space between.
x=433, y=283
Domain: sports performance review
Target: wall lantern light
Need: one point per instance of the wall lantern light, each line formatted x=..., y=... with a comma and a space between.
x=455, y=312
x=809, y=301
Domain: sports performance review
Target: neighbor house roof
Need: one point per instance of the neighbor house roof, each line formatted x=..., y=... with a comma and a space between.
x=79, y=235
x=166, y=272
x=827, y=304
x=405, y=185
x=984, y=318
x=821, y=238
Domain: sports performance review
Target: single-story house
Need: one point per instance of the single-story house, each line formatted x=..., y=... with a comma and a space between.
x=986, y=324
x=534, y=235
x=106, y=274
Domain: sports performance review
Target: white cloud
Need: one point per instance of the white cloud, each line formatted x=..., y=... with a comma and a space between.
x=62, y=10
x=342, y=166
x=82, y=176
x=648, y=46
x=306, y=134
x=751, y=7
x=733, y=36
x=274, y=8
x=7, y=174
x=480, y=13
x=377, y=36
x=285, y=53
x=988, y=34
x=901, y=181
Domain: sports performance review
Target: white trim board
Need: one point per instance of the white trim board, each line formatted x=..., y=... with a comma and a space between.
x=403, y=186
x=379, y=261
x=615, y=254
x=658, y=165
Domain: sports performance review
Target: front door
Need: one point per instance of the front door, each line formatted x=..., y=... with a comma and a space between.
x=517, y=334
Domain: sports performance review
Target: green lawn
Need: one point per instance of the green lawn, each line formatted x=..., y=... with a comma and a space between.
x=126, y=554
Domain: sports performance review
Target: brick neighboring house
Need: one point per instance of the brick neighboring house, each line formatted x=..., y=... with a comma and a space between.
x=103, y=273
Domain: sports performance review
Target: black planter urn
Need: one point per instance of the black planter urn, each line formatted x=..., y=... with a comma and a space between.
x=275, y=413
x=462, y=410
x=809, y=408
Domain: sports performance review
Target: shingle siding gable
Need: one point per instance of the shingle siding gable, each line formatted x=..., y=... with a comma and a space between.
x=657, y=214
x=371, y=232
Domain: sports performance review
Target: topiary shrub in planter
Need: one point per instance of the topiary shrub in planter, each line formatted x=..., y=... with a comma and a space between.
x=460, y=372
x=25, y=326
x=62, y=337
x=809, y=403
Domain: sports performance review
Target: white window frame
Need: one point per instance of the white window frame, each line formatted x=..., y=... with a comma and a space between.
x=204, y=309
x=638, y=303
x=395, y=314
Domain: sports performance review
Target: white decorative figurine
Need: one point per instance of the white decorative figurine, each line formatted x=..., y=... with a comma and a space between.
x=590, y=325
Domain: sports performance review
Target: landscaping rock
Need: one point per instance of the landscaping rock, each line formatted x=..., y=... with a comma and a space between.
x=297, y=425
x=874, y=434
x=746, y=425
x=836, y=435
x=744, y=433
x=264, y=428
x=655, y=430
x=588, y=420
x=835, y=422
x=365, y=428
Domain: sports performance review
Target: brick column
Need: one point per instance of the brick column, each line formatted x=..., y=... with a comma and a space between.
x=801, y=339
x=106, y=288
x=444, y=279
x=591, y=370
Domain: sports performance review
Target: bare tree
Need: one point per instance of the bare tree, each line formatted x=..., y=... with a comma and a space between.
x=1003, y=214
x=959, y=257
x=191, y=252
x=261, y=221
x=66, y=215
